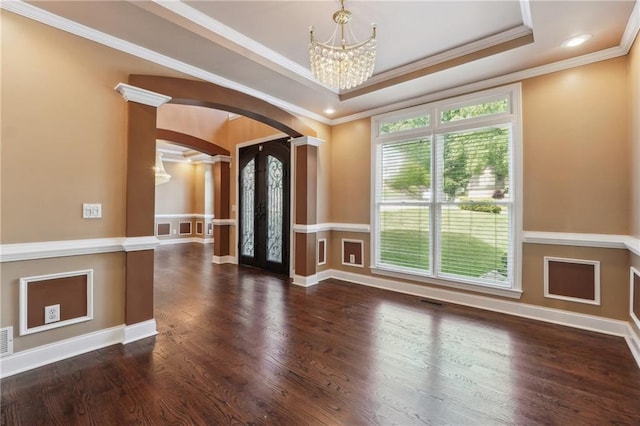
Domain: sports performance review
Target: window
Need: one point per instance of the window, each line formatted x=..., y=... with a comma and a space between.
x=446, y=191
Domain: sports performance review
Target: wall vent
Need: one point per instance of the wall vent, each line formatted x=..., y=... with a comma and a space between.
x=6, y=341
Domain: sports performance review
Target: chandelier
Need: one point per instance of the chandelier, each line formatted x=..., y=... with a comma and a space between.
x=161, y=174
x=338, y=64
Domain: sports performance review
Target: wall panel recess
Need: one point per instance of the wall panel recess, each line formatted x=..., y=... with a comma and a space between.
x=353, y=252
x=72, y=292
x=575, y=280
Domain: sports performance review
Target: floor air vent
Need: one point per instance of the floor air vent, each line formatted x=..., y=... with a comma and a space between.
x=6, y=341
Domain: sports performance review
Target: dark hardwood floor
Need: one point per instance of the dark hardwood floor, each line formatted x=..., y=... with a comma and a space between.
x=239, y=346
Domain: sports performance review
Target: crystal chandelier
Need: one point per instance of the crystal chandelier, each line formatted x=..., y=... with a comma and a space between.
x=161, y=174
x=341, y=65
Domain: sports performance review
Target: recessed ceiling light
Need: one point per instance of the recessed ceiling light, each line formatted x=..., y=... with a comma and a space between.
x=329, y=111
x=576, y=41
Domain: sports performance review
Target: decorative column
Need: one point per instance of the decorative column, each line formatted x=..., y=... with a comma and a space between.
x=221, y=209
x=305, y=218
x=140, y=239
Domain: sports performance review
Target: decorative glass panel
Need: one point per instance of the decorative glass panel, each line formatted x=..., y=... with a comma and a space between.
x=473, y=111
x=274, y=209
x=248, y=180
x=405, y=124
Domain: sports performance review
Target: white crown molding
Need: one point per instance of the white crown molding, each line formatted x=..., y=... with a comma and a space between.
x=29, y=11
x=525, y=11
x=632, y=28
x=142, y=96
x=48, y=249
x=306, y=140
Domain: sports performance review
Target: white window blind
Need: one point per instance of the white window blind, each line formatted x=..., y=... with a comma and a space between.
x=444, y=194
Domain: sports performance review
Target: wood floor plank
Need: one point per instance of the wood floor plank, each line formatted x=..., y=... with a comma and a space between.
x=237, y=346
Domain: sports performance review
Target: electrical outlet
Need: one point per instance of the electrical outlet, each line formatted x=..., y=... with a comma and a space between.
x=51, y=313
x=352, y=258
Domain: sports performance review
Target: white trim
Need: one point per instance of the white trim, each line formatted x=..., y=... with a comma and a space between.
x=184, y=215
x=57, y=351
x=555, y=316
x=47, y=249
x=306, y=140
x=596, y=279
x=322, y=227
x=348, y=240
x=142, y=96
x=219, y=260
x=138, y=331
x=633, y=341
x=78, y=345
x=169, y=241
x=457, y=283
x=140, y=243
x=324, y=252
x=303, y=281
x=29, y=11
x=633, y=245
x=224, y=222
x=180, y=223
x=24, y=298
x=632, y=314
x=40, y=15
x=575, y=239
x=220, y=159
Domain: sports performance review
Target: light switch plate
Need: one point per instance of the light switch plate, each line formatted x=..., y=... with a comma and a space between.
x=91, y=211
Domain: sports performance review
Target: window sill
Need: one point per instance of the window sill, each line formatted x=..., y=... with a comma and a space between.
x=476, y=288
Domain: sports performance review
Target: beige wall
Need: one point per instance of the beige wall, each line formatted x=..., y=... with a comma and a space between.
x=177, y=196
x=634, y=137
x=108, y=295
x=575, y=150
x=351, y=172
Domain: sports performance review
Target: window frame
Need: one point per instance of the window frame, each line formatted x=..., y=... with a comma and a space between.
x=512, y=117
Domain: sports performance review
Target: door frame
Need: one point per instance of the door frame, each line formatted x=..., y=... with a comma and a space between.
x=236, y=197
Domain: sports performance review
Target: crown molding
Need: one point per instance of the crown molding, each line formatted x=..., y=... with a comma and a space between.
x=306, y=140
x=29, y=11
x=632, y=28
x=142, y=96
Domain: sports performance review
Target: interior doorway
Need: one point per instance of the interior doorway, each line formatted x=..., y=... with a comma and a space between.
x=264, y=205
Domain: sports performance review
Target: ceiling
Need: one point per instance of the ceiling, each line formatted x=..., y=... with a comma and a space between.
x=426, y=49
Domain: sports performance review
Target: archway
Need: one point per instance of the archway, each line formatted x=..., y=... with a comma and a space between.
x=145, y=94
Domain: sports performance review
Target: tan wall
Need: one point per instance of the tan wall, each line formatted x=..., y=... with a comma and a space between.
x=634, y=137
x=351, y=172
x=576, y=151
x=204, y=123
x=178, y=195
x=108, y=295
x=63, y=126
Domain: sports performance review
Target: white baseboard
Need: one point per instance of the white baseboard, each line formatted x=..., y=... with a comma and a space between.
x=633, y=341
x=224, y=259
x=186, y=240
x=556, y=316
x=139, y=331
x=57, y=351
x=305, y=281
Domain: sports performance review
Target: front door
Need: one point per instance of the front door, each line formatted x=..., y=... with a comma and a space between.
x=263, y=237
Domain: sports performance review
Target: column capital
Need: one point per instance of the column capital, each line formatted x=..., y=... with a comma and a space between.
x=142, y=96
x=306, y=140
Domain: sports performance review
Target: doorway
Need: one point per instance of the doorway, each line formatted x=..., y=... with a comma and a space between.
x=264, y=208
